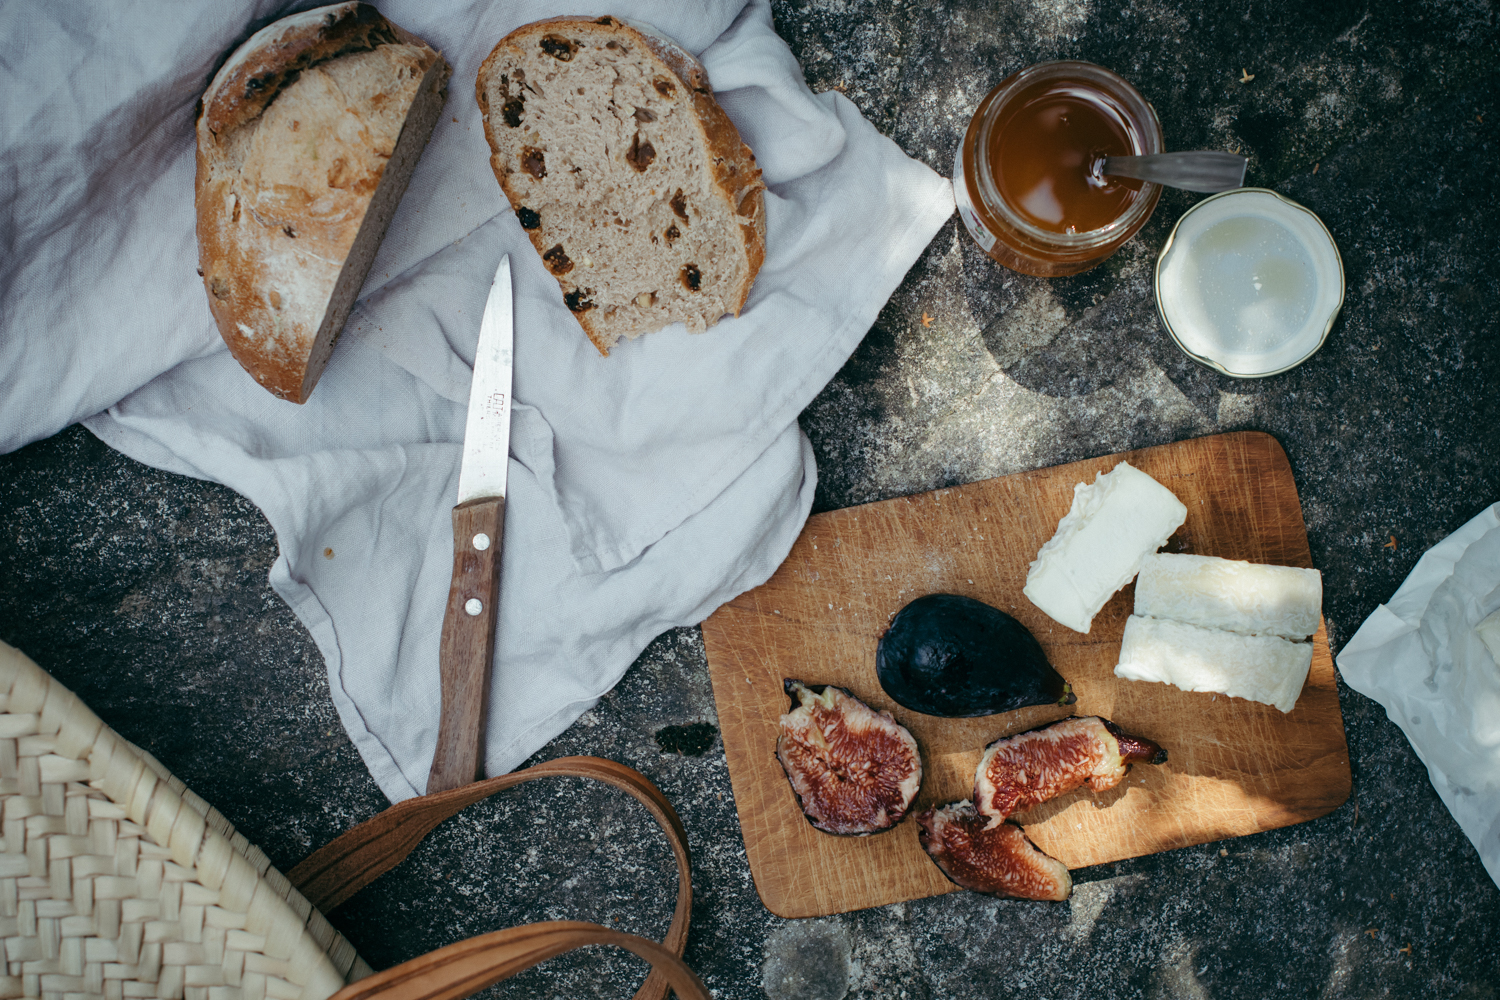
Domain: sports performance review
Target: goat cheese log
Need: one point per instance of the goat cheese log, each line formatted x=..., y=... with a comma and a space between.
x=1488, y=631
x=1115, y=522
x=1230, y=594
x=1263, y=668
x=306, y=139
x=628, y=177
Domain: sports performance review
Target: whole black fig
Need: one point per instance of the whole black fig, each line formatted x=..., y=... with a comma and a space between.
x=957, y=657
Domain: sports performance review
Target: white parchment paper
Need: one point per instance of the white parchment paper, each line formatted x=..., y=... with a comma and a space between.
x=1419, y=656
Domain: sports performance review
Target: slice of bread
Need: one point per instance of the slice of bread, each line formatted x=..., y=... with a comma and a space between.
x=306, y=139
x=627, y=175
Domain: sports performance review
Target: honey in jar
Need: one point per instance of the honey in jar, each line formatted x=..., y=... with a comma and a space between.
x=1027, y=176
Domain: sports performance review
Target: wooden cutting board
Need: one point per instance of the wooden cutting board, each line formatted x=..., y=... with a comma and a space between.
x=1235, y=767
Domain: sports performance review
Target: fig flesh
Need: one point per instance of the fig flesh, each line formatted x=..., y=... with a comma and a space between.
x=1024, y=770
x=855, y=770
x=957, y=657
x=997, y=860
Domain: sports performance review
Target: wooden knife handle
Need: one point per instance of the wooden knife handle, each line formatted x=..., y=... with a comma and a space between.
x=468, y=643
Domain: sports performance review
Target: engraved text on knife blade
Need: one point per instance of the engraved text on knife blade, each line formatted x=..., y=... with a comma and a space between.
x=487, y=429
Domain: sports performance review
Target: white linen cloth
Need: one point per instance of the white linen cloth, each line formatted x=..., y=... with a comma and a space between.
x=1419, y=656
x=645, y=488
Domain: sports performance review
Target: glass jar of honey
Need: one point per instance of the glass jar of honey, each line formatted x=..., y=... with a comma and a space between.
x=1027, y=178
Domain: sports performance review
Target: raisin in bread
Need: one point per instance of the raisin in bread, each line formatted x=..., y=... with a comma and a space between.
x=306, y=139
x=629, y=178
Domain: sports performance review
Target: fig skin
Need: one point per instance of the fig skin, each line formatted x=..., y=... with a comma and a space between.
x=1027, y=769
x=855, y=771
x=956, y=657
x=995, y=859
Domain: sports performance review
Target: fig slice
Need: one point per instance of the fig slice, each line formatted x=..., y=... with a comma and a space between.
x=855, y=770
x=997, y=860
x=1020, y=771
x=956, y=657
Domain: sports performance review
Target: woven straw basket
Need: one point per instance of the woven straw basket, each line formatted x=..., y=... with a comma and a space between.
x=117, y=881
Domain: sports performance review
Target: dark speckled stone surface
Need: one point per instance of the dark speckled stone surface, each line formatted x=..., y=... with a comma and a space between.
x=147, y=594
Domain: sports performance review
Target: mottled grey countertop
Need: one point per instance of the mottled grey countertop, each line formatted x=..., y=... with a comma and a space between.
x=147, y=593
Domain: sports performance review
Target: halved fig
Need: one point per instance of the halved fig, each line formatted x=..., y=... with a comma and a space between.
x=1031, y=767
x=997, y=860
x=855, y=770
x=957, y=657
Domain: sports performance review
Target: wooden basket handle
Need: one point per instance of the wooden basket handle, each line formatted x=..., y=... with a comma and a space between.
x=462, y=969
x=353, y=860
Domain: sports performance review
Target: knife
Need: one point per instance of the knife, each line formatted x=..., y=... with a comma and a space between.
x=468, y=643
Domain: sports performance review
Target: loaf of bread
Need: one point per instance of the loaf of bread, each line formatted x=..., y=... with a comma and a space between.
x=629, y=178
x=306, y=139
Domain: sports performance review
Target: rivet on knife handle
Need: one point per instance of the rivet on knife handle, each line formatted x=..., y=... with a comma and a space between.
x=468, y=641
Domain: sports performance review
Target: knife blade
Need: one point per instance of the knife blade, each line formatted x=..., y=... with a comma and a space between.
x=466, y=652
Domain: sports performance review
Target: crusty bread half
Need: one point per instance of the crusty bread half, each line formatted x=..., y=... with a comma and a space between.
x=306, y=139
x=629, y=178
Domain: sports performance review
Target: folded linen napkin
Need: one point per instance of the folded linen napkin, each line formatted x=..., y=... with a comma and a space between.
x=1419, y=656
x=646, y=488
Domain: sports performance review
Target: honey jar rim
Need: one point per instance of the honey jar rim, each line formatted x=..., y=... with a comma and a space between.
x=1120, y=89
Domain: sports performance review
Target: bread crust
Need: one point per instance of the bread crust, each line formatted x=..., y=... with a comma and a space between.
x=257, y=71
x=736, y=177
x=280, y=284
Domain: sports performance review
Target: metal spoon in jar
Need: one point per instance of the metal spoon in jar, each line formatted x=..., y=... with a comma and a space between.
x=1206, y=171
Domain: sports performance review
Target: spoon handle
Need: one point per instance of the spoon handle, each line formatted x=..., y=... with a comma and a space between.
x=1206, y=171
